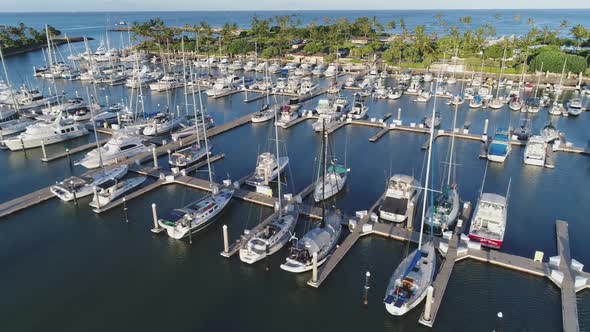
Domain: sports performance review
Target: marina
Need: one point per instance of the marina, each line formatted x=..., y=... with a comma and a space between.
x=345, y=136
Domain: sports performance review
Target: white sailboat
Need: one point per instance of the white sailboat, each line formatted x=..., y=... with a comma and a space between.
x=410, y=280
x=269, y=239
x=321, y=240
x=334, y=176
x=203, y=212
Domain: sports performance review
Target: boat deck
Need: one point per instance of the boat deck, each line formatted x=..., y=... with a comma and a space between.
x=77, y=149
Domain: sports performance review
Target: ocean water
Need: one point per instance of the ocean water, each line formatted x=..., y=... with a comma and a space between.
x=65, y=268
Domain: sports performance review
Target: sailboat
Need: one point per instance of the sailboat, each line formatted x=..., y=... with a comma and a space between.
x=321, y=240
x=333, y=178
x=497, y=103
x=443, y=214
x=271, y=238
x=410, y=280
x=203, y=212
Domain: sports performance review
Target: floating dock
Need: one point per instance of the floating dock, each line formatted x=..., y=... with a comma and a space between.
x=26, y=201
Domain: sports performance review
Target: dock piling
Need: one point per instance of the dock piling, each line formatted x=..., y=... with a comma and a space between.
x=125, y=210
x=69, y=158
x=485, y=127
x=155, y=156
x=74, y=192
x=399, y=114
x=266, y=258
x=156, y=228
x=225, y=239
x=43, y=149
x=314, y=262
x=410, y=221
x=95, y=192
x=366, y=289
x=428, y=307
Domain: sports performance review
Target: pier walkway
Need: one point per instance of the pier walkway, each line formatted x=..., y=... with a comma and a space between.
x=569, y=309
x=25, y=201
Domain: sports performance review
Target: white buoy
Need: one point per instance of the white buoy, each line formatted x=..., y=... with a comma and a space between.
x=155, y=216
x=314, y=260
x=428, y=307
x=225, y=239
x=500, y=314
x=155, y=157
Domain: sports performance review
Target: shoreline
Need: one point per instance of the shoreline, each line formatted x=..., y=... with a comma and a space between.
x=56, y=41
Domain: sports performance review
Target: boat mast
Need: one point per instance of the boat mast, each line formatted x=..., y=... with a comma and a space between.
x=428, y=169
x=195, y=110
x=501, y=73
x=452, y=146
x=324, y=168
x=48, y=46
x=16, y=106
x=205, y=134
x=278, y=159
x=184, y=77
x=94, y=129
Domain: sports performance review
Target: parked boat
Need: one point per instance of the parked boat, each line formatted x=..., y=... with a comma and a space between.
x=515, y=104
x=189, y=155
x=523, y=132
x=78, y=187
x=550, y=133
x=432, y=123
x=117, y=149
x=359, y=110
x=333, y=177
x=168, y=82
x=500, y=146
x=535, y=151
x=267, y=169
x=60, y=130
x=489, y=220
x=402, y=190
x=161, y=124
x=574, y=107
x=113, y=189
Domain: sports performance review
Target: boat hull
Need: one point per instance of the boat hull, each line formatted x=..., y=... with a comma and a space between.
x=485, y=242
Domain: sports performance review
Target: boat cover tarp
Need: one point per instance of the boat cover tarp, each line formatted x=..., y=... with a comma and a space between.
x=315, y=239
x=413, y=263
x=336, y=169
x=498, y=149
x=395, y=205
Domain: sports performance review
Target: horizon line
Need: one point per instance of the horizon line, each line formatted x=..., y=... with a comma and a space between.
x=284, y=10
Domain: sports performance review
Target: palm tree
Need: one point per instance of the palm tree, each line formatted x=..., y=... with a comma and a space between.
x=390, y=25
x=580, y=33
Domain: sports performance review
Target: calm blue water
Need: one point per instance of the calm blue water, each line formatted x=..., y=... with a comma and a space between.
x=63, y=265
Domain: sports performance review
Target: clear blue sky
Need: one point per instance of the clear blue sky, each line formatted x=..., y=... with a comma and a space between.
x=135, y=5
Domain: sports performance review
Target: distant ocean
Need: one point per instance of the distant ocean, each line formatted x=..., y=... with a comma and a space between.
x=506, y=22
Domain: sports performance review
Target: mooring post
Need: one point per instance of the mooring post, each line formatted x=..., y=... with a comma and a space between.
x=74, y=192
x=428, y=307
x=95, y=192
x=155, y=217
x=366, y=289
x=69, y=158
x=314, y=261
x=399, y=114
x=485, y=127
x=225, y=240
x=266, y=258
x=155, y=156
x=22, y=145
x=119, y=119
x=125, y=210
x=43, y=149
x=410, y=221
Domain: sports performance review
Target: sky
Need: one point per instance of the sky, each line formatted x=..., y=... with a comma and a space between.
x=250, y=5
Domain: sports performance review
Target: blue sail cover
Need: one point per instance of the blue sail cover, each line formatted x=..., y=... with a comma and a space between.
x=413, y=263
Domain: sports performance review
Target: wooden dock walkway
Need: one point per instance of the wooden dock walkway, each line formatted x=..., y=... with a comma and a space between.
x=25, y=201
x=569, y=309
x=343, y=249
x=80, y=148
